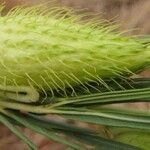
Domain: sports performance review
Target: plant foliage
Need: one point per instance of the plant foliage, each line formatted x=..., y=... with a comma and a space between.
x=51, y=62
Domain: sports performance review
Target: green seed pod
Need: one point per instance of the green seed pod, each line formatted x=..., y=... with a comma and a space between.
x=46, y=52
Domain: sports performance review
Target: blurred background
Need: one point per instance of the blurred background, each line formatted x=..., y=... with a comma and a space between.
x=133, y=17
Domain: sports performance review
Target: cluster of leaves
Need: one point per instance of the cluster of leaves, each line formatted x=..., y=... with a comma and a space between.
x=127, y=126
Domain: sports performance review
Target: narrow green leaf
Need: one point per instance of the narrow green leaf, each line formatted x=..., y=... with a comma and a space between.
x=132, y=95
x=18, y=133
x=49, y=134
x=107, y=118
x=108, y=121
x=57, y=125
x=104, y=144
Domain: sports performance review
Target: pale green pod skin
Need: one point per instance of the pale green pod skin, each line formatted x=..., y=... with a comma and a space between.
x=45, y=52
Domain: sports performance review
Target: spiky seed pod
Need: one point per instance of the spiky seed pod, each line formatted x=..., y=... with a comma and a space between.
x=40, y=52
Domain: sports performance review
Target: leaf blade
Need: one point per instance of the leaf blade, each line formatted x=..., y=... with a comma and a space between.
x=18, y=133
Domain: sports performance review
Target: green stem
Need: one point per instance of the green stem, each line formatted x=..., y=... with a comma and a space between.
x=136, y=95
